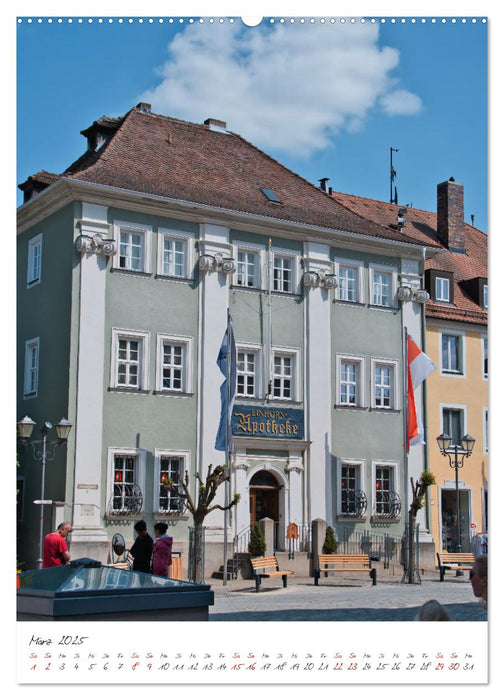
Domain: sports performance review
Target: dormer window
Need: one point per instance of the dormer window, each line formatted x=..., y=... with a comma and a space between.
x=439, y=284
x=477, y=288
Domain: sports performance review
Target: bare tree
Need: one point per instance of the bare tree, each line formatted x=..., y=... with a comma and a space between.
x=200, y=506
x=419, y=489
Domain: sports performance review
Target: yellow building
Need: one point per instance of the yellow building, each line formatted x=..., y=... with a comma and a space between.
x=457, y=393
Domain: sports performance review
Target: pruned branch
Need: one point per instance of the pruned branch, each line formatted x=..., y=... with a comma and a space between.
x=206, y=491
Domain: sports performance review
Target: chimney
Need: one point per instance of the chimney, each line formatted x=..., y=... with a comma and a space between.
x=144, y=107
x=323, y=183
x=450, y=215
x=216, y=125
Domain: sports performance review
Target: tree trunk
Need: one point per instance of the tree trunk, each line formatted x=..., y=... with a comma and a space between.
x=411, y=547
x=197, y=554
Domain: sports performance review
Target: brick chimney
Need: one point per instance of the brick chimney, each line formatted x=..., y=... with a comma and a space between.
x=450, y=215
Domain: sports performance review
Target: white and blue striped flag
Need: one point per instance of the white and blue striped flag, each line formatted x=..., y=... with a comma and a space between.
x=227, y=365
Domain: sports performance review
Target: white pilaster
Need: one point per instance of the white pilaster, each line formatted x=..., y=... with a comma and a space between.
x=412, y=308
x=214, y=241
x=295, y=471
x=87, y=525
x=242, y=511
x=318, y=379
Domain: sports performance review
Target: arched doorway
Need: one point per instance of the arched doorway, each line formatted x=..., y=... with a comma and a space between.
x=264, y=493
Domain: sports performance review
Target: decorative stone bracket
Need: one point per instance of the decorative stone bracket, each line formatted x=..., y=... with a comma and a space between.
x=319, y=278
x=95, y=244
x=413, y=293
x=216, y=263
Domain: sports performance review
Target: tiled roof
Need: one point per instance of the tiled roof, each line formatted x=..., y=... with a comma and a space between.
x=464, y=267
x=163, y=156
x=43, y=177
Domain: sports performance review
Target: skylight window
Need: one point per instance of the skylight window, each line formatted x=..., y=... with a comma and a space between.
x=270, y=195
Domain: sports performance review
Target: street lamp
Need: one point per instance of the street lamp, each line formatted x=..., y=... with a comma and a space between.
x=456, y=455
x=45, y=454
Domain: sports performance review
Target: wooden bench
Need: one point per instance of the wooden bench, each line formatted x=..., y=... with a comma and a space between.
x=455, y=560
x=331, y=563
x=265, y=564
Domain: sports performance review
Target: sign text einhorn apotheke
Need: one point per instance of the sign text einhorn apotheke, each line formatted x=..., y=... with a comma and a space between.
x=261, y=421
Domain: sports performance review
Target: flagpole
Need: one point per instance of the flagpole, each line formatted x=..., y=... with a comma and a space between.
x=226, y=484
x=405, y=426
x=270, y=327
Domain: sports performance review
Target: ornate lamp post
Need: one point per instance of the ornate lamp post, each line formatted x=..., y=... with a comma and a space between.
x=456, y=455
x=45, y=453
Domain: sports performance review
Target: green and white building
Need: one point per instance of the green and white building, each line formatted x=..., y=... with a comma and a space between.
x=127, y=265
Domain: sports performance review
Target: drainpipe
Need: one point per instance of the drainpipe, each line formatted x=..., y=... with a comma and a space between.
x=424, y=399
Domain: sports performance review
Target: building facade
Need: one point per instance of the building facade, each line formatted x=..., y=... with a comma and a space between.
x=128, y=263
x=456, y=339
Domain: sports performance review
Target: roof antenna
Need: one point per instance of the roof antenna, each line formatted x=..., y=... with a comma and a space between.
x=393, y=198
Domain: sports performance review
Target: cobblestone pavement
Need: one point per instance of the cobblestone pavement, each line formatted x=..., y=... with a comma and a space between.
x=348, y=600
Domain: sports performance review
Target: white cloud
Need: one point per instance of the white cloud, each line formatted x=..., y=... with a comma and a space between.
x=401, y=102
x=288, y=88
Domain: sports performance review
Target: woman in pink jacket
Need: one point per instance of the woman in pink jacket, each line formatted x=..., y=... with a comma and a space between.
x=161, y=550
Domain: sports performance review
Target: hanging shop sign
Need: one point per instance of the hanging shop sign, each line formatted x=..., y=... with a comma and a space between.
x=268, y=422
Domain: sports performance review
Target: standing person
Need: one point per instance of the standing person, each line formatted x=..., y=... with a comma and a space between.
x=478, y=576
x=161, y=550
x=141, y=551
x=55, y=550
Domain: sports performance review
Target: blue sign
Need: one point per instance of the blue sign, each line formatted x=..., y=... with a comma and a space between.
x=267, y=422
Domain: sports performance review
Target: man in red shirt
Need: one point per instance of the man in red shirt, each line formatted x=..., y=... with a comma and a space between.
x=55, y=547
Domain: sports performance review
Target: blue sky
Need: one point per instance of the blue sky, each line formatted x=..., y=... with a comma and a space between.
x=325, y=100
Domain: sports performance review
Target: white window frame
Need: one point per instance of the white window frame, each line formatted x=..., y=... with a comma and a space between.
x=462, y=353
x=294, y=260
x=258, y=252
x=187, y=354
x=485, y=296
x=185, y=466
x=143, y=337
x=145, y=232
x=140, y=456
x=31, y=371
x=396, y=485
x=360, y=361
x=484, y=351
x=394, y=384
x=388, y=270
x=359, y=267
x=34, y=264
x=453, y=407
x=443, y=290
x=255, y=350
x=294, y=355
x=178, y=237
x=343, y=462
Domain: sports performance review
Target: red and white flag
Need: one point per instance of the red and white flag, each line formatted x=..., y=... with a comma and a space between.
x=419, y=368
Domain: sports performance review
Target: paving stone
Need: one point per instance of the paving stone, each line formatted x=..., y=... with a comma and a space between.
x=344, y=600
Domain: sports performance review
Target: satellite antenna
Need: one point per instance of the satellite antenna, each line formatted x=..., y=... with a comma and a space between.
x=393, y=197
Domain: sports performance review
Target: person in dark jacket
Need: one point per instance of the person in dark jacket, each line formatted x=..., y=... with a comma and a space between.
x=141, y=551
x=161, y=550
